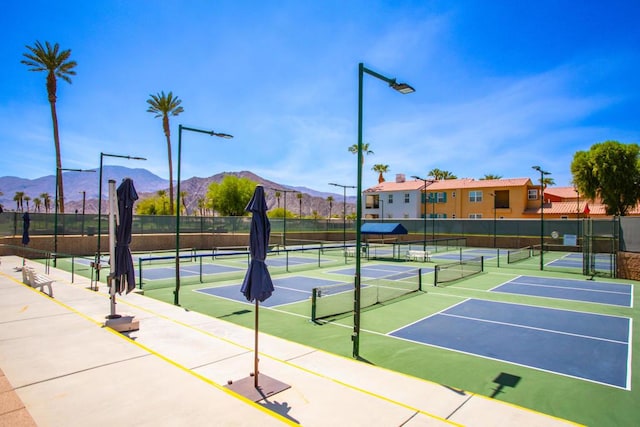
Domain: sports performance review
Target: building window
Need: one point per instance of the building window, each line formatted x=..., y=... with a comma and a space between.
x=407, y=198
x=502, y=199
x=475, y=196
x=390, y=199
x=475, y=216
x=533, y=194
x=372, y=201
x=437, y=197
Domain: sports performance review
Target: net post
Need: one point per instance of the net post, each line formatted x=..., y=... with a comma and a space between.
x=435, y=275
x=420, y=279
x=139, y=272
x=314, y=296
x=286, y=255
x=482, y=263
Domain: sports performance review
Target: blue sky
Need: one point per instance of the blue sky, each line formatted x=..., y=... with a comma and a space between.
x=500, y=85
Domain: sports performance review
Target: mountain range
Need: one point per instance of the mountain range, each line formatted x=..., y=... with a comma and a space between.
x=84, y=185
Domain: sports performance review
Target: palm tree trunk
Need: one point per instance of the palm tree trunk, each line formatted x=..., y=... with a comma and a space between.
x=56, y=140
x=167, y=132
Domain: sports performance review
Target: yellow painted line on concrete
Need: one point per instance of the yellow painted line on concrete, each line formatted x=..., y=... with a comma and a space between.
x=166, y=359
x=533, y=411
x=293, y=365
x=281, y=361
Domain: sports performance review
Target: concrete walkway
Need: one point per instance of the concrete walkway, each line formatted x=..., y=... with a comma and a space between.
x=62, y=367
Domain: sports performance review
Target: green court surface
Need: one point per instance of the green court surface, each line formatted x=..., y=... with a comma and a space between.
x=565, y=396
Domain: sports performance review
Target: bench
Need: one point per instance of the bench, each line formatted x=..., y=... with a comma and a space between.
x=415, y=255
x=350, y=252
x=37, y=280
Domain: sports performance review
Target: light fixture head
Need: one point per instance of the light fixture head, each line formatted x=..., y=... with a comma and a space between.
x=403, y=88
x=223, y=135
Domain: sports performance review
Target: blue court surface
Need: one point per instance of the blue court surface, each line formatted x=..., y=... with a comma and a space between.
x=601, y=262
x=375, y=271
x=570, y=289
x=292, y=260
x=467, y=255
x=160, y=273
x=287, y=290
x=586, y=346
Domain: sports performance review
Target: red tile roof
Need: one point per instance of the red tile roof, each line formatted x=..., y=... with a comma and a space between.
x=451, y=184
x=561, y=192
x=396, y=186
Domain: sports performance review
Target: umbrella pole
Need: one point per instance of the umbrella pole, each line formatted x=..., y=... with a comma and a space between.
x=113, y=218
x=255, y=359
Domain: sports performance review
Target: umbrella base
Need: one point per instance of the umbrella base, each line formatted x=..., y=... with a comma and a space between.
x=267, y=386
x=122, y=323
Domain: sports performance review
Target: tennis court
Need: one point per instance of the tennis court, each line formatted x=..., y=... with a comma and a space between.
x=288, y=290
x=377, y=270
x=297, y=288
x=569, y=289
x=587, y=346
x=574, y=260
x=561, y=334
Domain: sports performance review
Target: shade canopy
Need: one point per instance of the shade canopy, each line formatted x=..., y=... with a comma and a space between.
x=383, y=228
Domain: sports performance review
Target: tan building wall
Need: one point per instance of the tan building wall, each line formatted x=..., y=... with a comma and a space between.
x=460, y=205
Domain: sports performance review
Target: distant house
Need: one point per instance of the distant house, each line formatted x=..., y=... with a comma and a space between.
x=474, y=199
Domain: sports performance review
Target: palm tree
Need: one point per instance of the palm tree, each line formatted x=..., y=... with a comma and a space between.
x=440, y=174
x=489, y=176
x=546, y=182
x=381, y=169
x=278, y=195
x=299, y=197
x=163, y=106
x=365, y=150
x=330, y=200
x=46, y=200
x=37, y=203
x=18, y=198
x=183, y=198
x=27, y=199
x=202, y=205
x=57, y=65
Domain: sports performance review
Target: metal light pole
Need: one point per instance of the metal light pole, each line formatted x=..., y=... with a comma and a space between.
x=55, y=216
x=577, y=214
x=402, y=88
x=176, y=293
x=542, y=174
x=284, y=223
x=494, y=218
x=102, y=156
x=424, y=209
x=344, y=211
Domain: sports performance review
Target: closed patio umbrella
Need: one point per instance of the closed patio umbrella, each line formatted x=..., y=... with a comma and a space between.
x=124, y=274
x=26, y=222
x=257, y=286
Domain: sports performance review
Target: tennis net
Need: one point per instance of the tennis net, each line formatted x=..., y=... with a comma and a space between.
x=446, y=273
x=516, y=255
x=333, y=300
